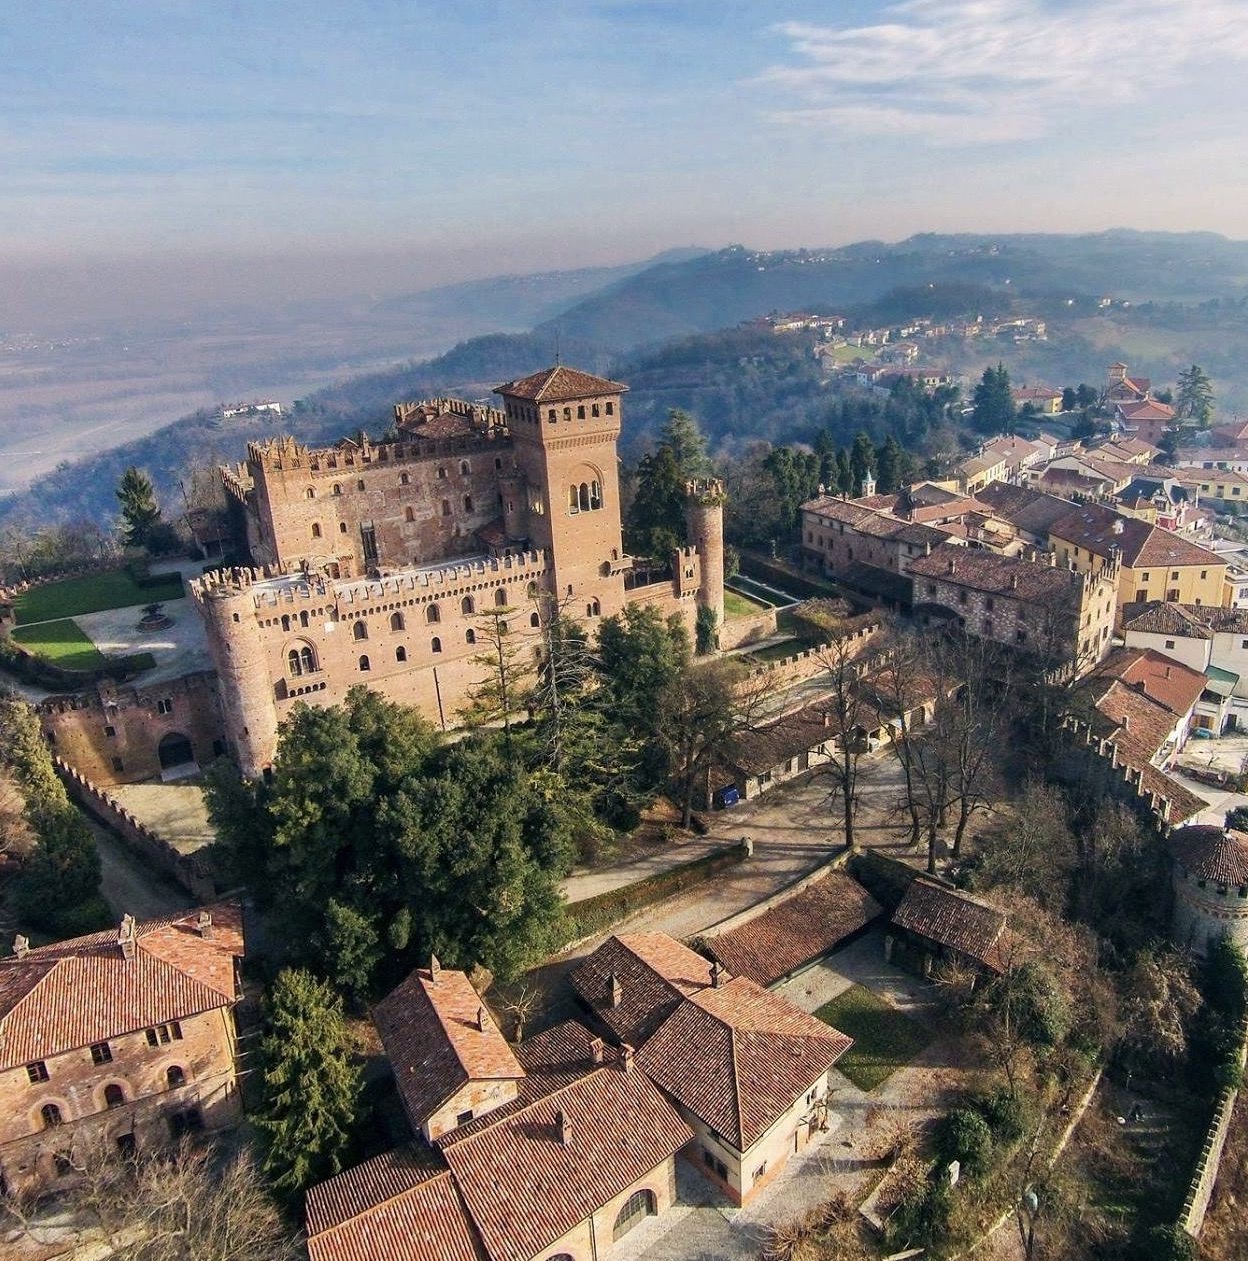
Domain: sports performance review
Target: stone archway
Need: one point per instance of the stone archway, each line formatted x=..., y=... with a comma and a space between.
x=174, y=752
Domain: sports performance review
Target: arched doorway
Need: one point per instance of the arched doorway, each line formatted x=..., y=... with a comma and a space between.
x=637, y=1207
x=174, y=752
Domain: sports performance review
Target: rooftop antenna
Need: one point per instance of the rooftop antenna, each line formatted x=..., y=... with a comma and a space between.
x=558, y=356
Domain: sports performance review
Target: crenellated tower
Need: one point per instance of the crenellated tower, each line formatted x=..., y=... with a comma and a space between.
x=704, y=517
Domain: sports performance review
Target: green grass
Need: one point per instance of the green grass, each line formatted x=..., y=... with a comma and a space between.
x=774, y=652
x=95, y=592
x=738, y=605
x=848, y=353
x=884, y=1038
x=61, y=642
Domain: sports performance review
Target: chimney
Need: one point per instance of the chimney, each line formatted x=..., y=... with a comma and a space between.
x=1013, y=582
x=126, y=936
x=596, y=1050
x=626, y=1058
x=435, y=968
x=717, y=974
x=563, y=1127
x=617, y=990
x=21, y=946
x=483, y=1020
x=1126, y=722
x=1167, y=672
x=203, y=925
x=953, y=565
x=1118, y=526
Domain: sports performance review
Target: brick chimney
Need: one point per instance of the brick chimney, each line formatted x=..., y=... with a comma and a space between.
x=626, y=1057
x=717, y=974
x=563, y=1127
x=21, y=946
x=953, y=565
x=435, y=968
x=1126, y=722
x=617, y=990
x=1013, y=582
x=596, y=1050
x=483, y=1020
x=126, y=937
x=203, y=925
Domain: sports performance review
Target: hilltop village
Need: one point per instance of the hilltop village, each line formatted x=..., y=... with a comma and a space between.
x=568, y=883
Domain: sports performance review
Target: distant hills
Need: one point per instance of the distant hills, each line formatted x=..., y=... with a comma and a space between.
x=658, y=325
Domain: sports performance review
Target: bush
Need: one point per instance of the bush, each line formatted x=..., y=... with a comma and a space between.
x=963, y=1135
x=923, y=1216
x=1003, y=1115
x=1168, y=1243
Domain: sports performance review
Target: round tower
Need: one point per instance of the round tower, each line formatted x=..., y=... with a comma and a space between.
x=704, y=517
x=1210, y=886
x=246, y=690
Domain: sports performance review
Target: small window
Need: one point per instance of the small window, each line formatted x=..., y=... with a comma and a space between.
x=433, y=614
x=364, y=664
x=360, y=630
x=400, y=653
x=409, y=514
x=360, y=484
x=164, y=706
x=38, y=1071
x=126, y=1146
x=534, y=620
x=436, y=644
x=610, y=409
x=464, y=1117
x=470, y=636
x=580, y=412
x=464, y=467
x=51, y=1115
x=500, y=598
x=567, y=413
x=551, y=416
x=593, y=410
x=175, y=1076
x=342, y=527
x=404, y=479
x=110, y=732
x=1169, y=643
x=316, y=529
x=118, y=765
x=446, y=507
x=62, y=1164
x=441, y=474
x=310, y=493
x=337, y=488
x=101, y=1053
x=114, y=1096
x=467, y=503
x=467, y=606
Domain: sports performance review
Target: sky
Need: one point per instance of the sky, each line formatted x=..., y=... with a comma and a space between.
x=371, y=145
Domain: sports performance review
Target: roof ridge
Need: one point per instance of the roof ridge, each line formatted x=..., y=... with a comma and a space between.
x=736, y=1084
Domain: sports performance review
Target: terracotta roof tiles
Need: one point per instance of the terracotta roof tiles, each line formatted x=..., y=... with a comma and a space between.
x=1212, y=853
x=558, y=385
x=952, y=918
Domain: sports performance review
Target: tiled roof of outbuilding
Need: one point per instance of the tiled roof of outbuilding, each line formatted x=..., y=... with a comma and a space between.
x=954, y=919
x=1212, y=853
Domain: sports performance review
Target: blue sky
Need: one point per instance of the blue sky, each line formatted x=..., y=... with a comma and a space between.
x=472, y=137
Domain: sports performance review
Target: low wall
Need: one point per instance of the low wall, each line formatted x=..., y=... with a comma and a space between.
x=191, y=871
x=746, y=629
x=808, y=662
x=1196, y=1205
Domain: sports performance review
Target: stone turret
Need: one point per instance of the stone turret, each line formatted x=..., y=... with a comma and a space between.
x=1210, y=886
x=704, y=516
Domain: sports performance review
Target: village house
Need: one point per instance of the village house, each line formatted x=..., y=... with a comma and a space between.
x=1148, y=420
x=1089, y=474
x=1234, y=458
x=1029, y=511
x=1049, y=612
x=1160, y=500
x=1041, y=399
x=975, y=472
x=121, y=1039
x=1225, y=489
x=746, y=1069
x=1150, y=563
x=1122, y=388
x=936, y=924
x=1199, y=637
x=1019, y=455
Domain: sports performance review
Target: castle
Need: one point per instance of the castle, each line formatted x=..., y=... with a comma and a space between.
x=381, y=563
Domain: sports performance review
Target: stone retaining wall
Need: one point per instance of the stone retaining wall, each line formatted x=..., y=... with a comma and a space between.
x=746, y=629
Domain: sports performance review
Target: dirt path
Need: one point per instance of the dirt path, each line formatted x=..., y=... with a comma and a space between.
x=131, y=887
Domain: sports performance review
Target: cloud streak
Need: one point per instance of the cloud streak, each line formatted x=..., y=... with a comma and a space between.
x=957, y=72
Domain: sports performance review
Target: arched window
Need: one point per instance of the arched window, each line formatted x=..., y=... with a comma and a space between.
x=464, y=467
x=470, y=636
x=51, y=1116
x=175, y=1076
x=359, y=485
x=342, y=527
x=316, y=529
x=596, y=608
x=293, y=664
x=500, y=597
x=310, y=493
x=337, y=488
x=583, y=492
x=573, y=502
x=114, y=1096
x=531, y=591
x=400, y=653
x=409, y=514
x=589, y=610
x=467, y=606
x=303, y=618
x=433, y=614
x=285, y=621
x=436, y=644
x=441, y=473
x=360, y=630
x=307, y=659
x=446, y=507
x=595, y=496
x=404, y=479
x=364, y=664
x=396, y=622
x=467, y=503
x=637, y=1208
x=534, y=620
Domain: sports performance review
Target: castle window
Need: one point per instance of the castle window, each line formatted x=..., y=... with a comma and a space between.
x=37, y=1072
x=164, y=706
x=573, y=503
x=404, y=479
x=409, y=514
x=500, y=598
x=580, y=412
x=337, y=488
x=597, y=607
x=364, y=664
x=498, y=462
x=550, y=416
x=316, y=529
x=470, y=636
x=51, y=1116
x=567, y=413
x=534, y=620
x=114, y=1096
x=467, y=606
x=464, y=467
x=342, y=527
x=303, y=618
x=175, y=1076
x=595, y=496
x=467, y=503
x=158, y=1035
x=433, y=614
x=589, y=610
x=101, y=1053
x=610, y=409
x=531, y=591
x=396, y=622
x=436, y=644
x=593, y=411
x=446, y=507
x=584, y=496
x=441, y=473
x=118, y=765
x=359, y=485
x=360, y=630
x=285, y=621
x=400, y=653
x=310, y=493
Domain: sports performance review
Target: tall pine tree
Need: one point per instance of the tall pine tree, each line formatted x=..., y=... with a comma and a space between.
x=139, y=509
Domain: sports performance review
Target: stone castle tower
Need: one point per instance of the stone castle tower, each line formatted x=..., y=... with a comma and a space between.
x=704, y=517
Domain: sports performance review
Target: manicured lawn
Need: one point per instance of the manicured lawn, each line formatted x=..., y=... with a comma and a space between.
x=61, y=642
x=774, y=652
x=884, y=1038
x=738, y=605
x=116, y=590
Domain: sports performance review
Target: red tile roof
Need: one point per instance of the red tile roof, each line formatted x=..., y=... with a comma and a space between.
x=1145, y=409
x=1011, y=576
x=525, y=1189
x=952, y=918
x=1212, y=853
x=1096, y=529
x=797, y=931
x=559, y=385
x=1169, y=683
x=738, y=1057
x=430, y=1029
x=399, y=1206
x=74, y=993
x=654, y=972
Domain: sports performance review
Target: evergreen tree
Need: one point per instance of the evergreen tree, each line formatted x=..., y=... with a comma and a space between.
x=139, y=511
x=1070, y=399
x=656, y=520
x=994, y=402
x=844, y=474
x=684, y=439
x=311, y=1086
x=890, y=466
x=1195, y=396
x=507, y=674
x=58, y=889
x=861, y=461
x=795, y=479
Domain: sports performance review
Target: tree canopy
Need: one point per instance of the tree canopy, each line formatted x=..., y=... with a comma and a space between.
x=140, y=512
x=994, y=402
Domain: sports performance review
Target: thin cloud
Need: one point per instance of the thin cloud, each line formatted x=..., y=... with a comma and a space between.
x=983, y=71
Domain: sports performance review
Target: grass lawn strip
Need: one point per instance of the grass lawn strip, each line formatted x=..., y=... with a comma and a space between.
x=61, y=642
x=91, y=594
x=738, y=605
x=885, y=1039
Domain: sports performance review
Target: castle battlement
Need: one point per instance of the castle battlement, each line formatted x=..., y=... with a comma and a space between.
x=489, y=417
x=287, y=454
x=706, y=490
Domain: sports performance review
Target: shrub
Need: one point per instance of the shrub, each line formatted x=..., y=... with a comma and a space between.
x=963, y=1135
x=1168, y=1243
x=923, y=1216
x=1003, y=1114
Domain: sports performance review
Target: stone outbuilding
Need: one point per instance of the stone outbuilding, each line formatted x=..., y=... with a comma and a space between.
x=1210, y=886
